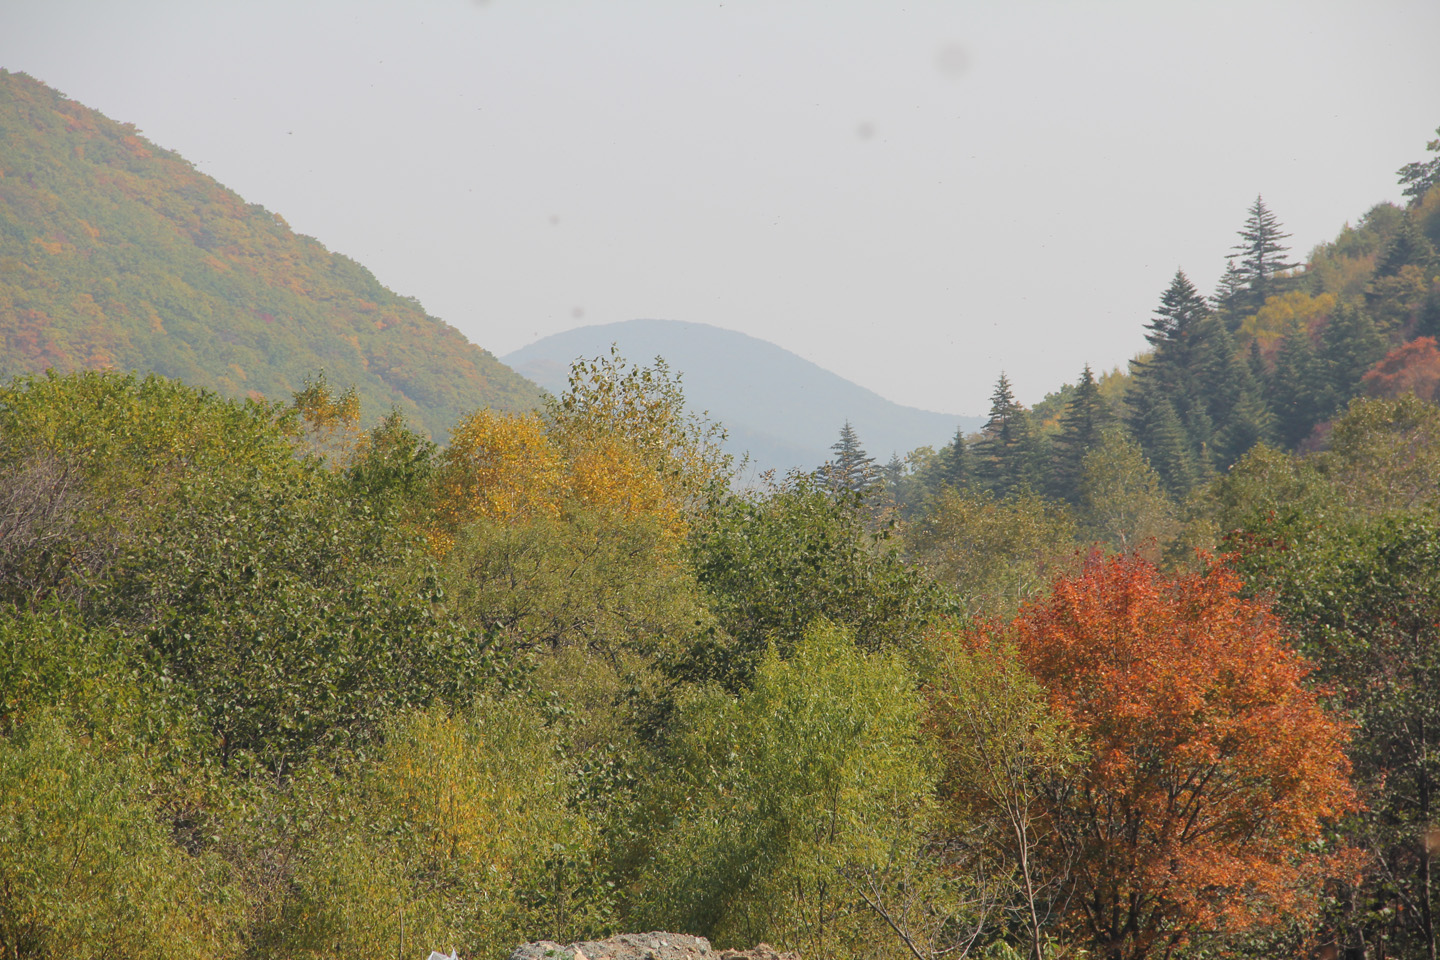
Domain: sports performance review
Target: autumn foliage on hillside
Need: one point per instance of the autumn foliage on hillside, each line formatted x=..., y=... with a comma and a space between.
x=116, y=254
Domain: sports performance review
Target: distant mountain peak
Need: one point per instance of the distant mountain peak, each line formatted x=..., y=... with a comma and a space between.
x=782, y=409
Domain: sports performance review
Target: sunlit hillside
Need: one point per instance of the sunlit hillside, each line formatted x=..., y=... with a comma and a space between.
x=118, y=254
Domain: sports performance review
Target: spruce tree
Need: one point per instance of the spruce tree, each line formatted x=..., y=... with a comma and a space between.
x=1350, y=345
x=1297, y=387
x=1157, y=428
x=955, y=466
x=1080, y=427
x=1229, y=297
x=1408, y=246
x=851, y=470
x=1237, y=408
x=1258, y=371
x=1006, y=454
x=1174, y=373
x=1262, y=256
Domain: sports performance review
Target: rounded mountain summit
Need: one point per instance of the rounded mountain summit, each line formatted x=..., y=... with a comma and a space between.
x=778, y=407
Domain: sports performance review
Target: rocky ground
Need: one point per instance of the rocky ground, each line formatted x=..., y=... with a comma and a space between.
x=643, y=946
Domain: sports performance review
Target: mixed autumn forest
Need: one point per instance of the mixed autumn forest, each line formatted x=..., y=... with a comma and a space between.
x=1150, y=670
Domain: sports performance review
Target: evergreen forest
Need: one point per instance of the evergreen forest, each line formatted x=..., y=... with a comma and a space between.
x=1150, y=670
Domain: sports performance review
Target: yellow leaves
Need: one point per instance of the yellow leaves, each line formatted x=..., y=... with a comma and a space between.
x=498, y=467
x=1280, y=314
x=608, y=474
x=332, y=420
x=511, y=468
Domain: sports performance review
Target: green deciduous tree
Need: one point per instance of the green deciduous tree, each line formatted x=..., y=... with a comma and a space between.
x=777, y=803
x=993, y=553
x=1003, y=752
x=1364, y=597
x=1122, y=501
x=460, y=832
x=770, y=563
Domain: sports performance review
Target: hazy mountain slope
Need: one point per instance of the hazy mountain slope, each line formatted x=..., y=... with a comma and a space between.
x=783, y=409
x=116, y=253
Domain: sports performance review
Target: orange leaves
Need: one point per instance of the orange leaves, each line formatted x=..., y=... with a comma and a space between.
x=1212, y=766
x=1413, y=368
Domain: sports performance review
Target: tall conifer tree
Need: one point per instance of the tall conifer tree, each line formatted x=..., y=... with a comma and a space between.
x=1080, y=426
x=1236, y=405
x=1228, y=300
x=955, y=466
x=1262, y=256
x=851, y=470
x=1007, y=452
x=1350, y=345
x=1169, y=403
x=1157, y=428
x=1297, y=387
x=1408, y=246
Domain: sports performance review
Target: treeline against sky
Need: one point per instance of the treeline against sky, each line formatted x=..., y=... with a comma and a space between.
x=1272, y=357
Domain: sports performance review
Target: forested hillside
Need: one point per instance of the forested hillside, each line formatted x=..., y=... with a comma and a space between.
x=1149, y=672
x=117, y=254
x=1270, y=357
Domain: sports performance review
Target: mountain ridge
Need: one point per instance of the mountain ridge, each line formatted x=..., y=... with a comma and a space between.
x=118, y=254
x=779, y=407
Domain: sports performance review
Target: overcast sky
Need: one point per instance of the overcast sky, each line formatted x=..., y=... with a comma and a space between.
x=913, y=195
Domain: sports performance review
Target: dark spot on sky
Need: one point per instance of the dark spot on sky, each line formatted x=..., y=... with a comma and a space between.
x=953, y=60
x=865, y=130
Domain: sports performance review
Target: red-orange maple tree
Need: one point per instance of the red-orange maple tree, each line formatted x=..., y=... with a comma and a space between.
x=1211, y=766
x=1412, y=368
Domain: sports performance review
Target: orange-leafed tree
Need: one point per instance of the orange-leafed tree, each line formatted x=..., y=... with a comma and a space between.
x=1413, y=368
x=1211, y=767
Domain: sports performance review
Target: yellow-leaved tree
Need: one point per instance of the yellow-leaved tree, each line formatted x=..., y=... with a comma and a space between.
x=618, y=442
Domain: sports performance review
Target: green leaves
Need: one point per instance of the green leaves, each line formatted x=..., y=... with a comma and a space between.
x=770, y=566
x=86, y=869
x=777, y=801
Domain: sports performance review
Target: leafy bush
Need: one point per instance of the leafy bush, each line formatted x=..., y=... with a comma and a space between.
x=86, y=869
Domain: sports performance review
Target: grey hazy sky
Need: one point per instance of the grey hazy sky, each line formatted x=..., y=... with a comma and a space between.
x=914, y=195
